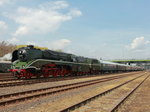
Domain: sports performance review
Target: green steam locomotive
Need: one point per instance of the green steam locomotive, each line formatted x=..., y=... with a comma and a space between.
x=28, y=62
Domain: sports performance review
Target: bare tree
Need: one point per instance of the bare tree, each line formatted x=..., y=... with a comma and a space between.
x=6, y=47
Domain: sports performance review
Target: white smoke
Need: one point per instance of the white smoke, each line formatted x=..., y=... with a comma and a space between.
x=6, y=57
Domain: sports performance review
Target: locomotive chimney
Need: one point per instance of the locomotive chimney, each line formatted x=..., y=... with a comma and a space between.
x=30, y=46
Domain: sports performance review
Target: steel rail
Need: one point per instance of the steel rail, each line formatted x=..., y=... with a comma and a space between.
x=75, y=85
x=73, y=107
x=28, y=82
x=128, y=95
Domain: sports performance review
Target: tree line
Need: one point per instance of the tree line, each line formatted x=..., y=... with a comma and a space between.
x=6, y=47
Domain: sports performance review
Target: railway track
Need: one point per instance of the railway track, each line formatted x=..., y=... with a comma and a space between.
x=9, y=83
x=127, y=96
x=7, y=77
x=27, y=95
x=34, y=81
x=107, y=101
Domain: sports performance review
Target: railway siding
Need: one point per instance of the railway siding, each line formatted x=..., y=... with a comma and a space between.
x=66, y=101
x=51, y=84
x=108, y=102
x=138, y=101
x=16, y=97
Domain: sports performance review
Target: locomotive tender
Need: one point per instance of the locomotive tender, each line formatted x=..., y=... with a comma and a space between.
x=29, y=61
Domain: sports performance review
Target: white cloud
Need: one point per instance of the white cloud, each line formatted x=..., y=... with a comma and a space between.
x=139, y=43
x=55, y=5
x=22, y=30
x=2, y=2
x=59, y=44
x=75, y=12
x=138, y=49
x=13, y=40
x=31, y=43
x=46, y=18
x=54, y=45
x=3, y=27
x=147, y=42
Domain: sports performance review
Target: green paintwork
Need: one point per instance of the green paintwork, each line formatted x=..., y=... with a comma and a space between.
x=38, y=63
x=20, y=64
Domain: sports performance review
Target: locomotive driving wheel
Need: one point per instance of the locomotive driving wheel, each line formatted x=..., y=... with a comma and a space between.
x=54, y=70
x=16, y=74
x=28, y=75
x=48, y=70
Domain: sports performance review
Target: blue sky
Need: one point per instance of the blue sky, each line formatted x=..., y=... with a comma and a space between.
x=117, y=29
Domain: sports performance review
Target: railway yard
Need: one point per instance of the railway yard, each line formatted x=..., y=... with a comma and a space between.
x=74, y=56
x=117, y=92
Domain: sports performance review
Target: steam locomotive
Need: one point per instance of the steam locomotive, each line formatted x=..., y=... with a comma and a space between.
x=28, y=62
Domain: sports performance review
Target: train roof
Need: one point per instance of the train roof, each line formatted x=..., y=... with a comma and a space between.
x=112, y=63
x=108, y=62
